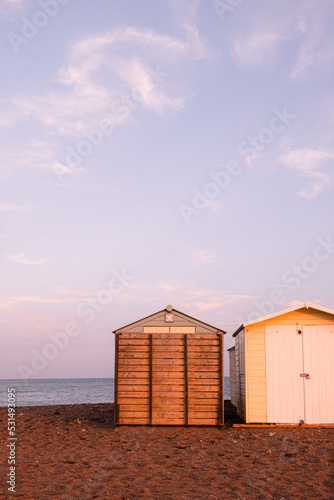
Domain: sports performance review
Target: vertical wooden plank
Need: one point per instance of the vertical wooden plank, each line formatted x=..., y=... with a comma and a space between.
x=116, y=410
x=150, y=378
x=186, y=399
x=221, y=381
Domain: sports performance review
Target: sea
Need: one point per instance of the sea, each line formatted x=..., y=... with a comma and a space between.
x=64, y=391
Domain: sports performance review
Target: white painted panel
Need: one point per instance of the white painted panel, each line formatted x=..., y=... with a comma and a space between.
x=237, y=373
x=319, y=363
x=242, y=378
x=284, y=364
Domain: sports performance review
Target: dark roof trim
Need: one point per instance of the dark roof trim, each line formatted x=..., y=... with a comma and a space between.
x=238, y=331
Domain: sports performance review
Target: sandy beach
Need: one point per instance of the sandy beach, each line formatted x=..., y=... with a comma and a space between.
x=75, y=451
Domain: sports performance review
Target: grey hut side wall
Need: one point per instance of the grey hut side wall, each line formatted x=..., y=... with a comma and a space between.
x=169, y=374
x=240, y=379
x=232, y=376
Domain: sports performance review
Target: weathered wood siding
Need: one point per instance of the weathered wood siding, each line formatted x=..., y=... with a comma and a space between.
x=169, y=376
x=132, y=378
x=232, y=376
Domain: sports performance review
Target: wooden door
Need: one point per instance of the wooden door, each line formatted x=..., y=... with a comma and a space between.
x=284, y=364
x=300, y=374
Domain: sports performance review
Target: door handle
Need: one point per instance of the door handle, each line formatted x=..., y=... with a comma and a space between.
x=306, y=375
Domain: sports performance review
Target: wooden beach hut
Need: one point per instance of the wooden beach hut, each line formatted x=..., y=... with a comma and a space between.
x=169, y=371
x=284, y=366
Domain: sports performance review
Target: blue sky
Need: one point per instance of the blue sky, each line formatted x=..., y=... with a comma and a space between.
x=159, y=152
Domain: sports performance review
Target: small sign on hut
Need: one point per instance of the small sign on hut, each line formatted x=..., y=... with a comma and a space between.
x=169, y=371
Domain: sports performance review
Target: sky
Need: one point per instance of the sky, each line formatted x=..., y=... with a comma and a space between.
x=159, y=152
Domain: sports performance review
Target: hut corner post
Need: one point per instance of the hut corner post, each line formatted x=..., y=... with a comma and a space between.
x=186, y=395
x=150, y=403
x=116, y=407
x=221, y=380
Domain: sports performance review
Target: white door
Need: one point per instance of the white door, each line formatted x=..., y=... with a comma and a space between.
x=284, y=364
x=300, y=374
x=319, y=366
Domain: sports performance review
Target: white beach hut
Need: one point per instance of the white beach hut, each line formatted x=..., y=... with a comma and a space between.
x=284, y=367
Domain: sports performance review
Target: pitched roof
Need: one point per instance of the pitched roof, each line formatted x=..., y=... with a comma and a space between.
x=163, y=311
x=301, y=305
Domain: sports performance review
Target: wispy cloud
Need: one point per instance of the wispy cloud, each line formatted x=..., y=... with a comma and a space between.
x=21, y=259
x=315, y=47
x=261, y=32
x=74, y=293
x=4, y=207
x=41, y=300
x=213, y=206
x=12, y=3
x=8, y=8
x=212, y=301
x=309, y=162
x=185, y=296
x=202, y=257
x=14, y=303
x=254, y=48
x=186, y=10
x=35, y=154
x=168, y=286
x=101, y=74
x=261, y=42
